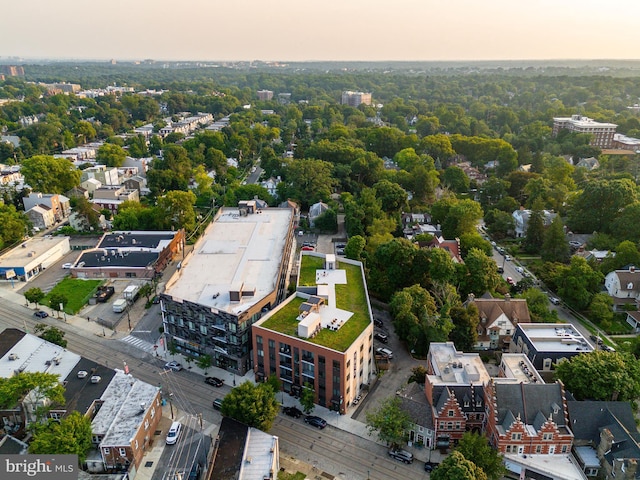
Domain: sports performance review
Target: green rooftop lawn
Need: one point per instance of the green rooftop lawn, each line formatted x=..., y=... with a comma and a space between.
x=351, y=297
x=76, y=290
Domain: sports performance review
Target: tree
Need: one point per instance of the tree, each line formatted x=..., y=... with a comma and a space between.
x=57, y=301
x=354, y=248
x=327, y=221
x=40, y=385
x=307, y=397
x=309, y=181
x=465, y=326
x=177, y=210
x=393, y=198
x=534, y=238
x=69, y=436
x=600, y=310
x=391, y=422
x=457, y=467
x=474, y=240
x=499, y=224
x=111, y=155
x=476, y=448
x=600, y=375
x=51, y=334
x=455, y=179
x=204, y=362
x=482, y=273
x=84, y=209
x=34, y=295
x=462, y=218
x=50, y=175
x=254, y=405
x=555, y=247
x=578, y=282
x=538, y=304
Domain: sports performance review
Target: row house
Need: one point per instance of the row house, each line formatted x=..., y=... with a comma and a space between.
x=527, y=418
x=59, y=204
x=112, y=197
x=41, y=216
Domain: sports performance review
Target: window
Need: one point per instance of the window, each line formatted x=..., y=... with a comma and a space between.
x=107, y=451
x=258, y=339
x=516, y=436
x=547, y=436
x=449, y=425
x=203, y=329
x=146, y=424
x=153, y=412
x=192, y=327
x=538, y=448
x=450, y=413
x=564, y=449
x=458, y=425
x=122, y=452
x=136, y=445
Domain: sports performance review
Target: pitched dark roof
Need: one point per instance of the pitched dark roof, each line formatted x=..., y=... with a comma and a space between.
x=528, y=400
x=414, y=401
x=8, y=338
x=228, y=460
x=587, y=418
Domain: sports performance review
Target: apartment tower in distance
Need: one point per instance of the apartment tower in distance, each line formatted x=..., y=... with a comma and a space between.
x=265, y=95
x=602, y=133
x=353, y=99
x=237, y=271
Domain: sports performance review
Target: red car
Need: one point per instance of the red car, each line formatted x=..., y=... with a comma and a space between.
x=308, y=249
x=511, y=281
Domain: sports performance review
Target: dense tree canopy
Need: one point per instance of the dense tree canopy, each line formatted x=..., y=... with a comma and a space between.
x=254, y=405
x=47, y=174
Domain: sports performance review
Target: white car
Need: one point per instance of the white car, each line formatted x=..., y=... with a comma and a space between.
x=520, y=270
x=67, y=265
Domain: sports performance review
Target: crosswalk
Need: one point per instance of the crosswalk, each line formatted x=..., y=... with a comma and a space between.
x=138, y=343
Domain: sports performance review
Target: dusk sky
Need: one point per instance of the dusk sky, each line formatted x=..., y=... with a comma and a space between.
x=297, y=30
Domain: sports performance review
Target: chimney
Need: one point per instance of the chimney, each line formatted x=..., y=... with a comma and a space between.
x=507, y=297
x=606, y=442
x=632, y=268
x=471, y=298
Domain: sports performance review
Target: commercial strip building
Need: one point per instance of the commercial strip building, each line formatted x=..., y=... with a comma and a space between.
x=602, y=132
x=238, y=270
x=129, y=254
x=27, y=260
x=322, y=336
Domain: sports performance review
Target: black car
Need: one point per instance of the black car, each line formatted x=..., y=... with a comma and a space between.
x=315, y=421
x=378, y=323
x=429, y=466
x=292, y=412
x=216, y=382
x=41, y=314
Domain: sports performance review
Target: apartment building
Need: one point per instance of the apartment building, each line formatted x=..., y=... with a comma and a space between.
x=237, y=271
x=353, y=99
x=602, y=132
x=312, y=340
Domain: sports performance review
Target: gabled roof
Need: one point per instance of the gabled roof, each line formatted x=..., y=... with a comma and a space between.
x=529, y=400
x=587, y=418
x=515, y=309
x=414, y=402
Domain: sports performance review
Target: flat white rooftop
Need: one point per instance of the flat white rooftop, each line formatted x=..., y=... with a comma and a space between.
x=555, y=337
x=560, y=467
x=452, y=367
x=33, y=354
x=30, y=250
x=519, y=369
x=234, y=250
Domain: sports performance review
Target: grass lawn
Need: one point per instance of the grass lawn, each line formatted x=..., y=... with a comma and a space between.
x=77, y=292
x=291, y=476
x=308, y=266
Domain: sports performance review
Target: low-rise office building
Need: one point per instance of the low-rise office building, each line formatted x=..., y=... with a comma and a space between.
x=322, y=336
x=24, y=262
x=237, y=271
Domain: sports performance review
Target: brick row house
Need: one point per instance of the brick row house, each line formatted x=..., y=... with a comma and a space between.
x=527, y=418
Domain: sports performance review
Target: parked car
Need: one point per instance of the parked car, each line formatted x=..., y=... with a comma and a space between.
x=292, y=412
x=385, y=352
x=173, y=365
x=500, y=269
x=340, y=251
x=307, y=249
x=520, y=270
x=41, y=314
x=216, y=382
x=607, y=348
x=377, y=322
x=315, y=421
x=429, y=466
x=511, y=281
x=67, y=265
x=174, y=433
x=507, y=258
x=402, y=455
x=554, y=300
x=381, y=337
x=82, y=374
x=217, y=403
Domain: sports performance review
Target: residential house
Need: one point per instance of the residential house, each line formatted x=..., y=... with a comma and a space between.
x=527, y=418
x=633, y=319
x=271, y=185
x=112, y=197
x=452, y=247
x=315, y=211
x=590, y=163
x=548, y=344
x=454, y=391
x=41, y=216
x=136, y=182
x=413, y=401
x=91, y=185
x=605, y=439
x=105, y=175
x=626, y=143
x=59, y=204
x=80, y=222
x=498, y=320
x=521, y=220
x=623, y=286
x=244, y=453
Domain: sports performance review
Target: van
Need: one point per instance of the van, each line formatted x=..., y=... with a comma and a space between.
x=174, y=433
x=119, y=305
x=385, y=352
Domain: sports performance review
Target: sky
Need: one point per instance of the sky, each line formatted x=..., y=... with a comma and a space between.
x=320, y=30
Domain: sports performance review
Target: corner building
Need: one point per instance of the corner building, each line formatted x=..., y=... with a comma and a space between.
x=322, y=336
x=237, y=271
